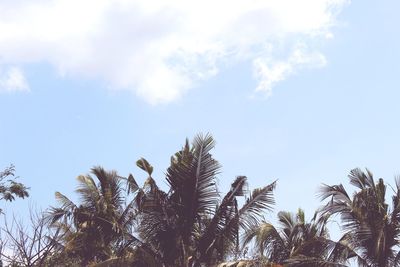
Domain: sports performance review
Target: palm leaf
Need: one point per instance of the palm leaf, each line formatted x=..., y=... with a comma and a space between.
x=145, y=165
x=223, y=223
x=260, y=200
x=192, y=180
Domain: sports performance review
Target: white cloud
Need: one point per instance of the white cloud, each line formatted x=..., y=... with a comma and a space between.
x=159, y=49
x=270, y=71
x=13, y=79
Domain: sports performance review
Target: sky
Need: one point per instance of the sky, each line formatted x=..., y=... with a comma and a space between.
x=295, y=91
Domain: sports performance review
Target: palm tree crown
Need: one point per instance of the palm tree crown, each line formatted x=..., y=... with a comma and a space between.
x=371, y=227
x=295, y=242
x=94, y=229
x=190, y=221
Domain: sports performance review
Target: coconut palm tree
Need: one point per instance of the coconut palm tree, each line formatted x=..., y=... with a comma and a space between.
x=371, y=226
x=95, y=229
x=295, y=242
x=189, y=223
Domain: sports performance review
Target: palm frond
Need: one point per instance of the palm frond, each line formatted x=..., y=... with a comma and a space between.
x=360, y=179
x=66, y=203
x=87, y=190
x=260, y=200
x=223, y=223
x=367, y=219
x=192, y=180
x=267, y=240
x=145, y=165
x=132, y=184
x=109, y=186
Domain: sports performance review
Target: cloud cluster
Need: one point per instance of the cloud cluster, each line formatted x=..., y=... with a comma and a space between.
x=159, y=49
x=269, y=71
x=12, y=79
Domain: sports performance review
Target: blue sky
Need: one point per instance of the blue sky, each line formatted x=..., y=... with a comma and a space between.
x=301, y=103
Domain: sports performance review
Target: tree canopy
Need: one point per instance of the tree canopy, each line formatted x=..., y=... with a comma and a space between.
x=190, y=223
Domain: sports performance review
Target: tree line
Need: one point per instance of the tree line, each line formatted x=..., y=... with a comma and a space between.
x=118, y=222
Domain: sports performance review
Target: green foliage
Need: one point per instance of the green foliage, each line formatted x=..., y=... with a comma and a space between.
x=9, y=188
x=190, y=220
x=144, y=165
x=295, y=242
x=101, y=225
x=116, y=222
x=371, y=227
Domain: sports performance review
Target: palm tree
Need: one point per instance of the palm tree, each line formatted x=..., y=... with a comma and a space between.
x=295, y=242
x=189, y=224
x=185, y=226
x=102, y=223
x=371, y=227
